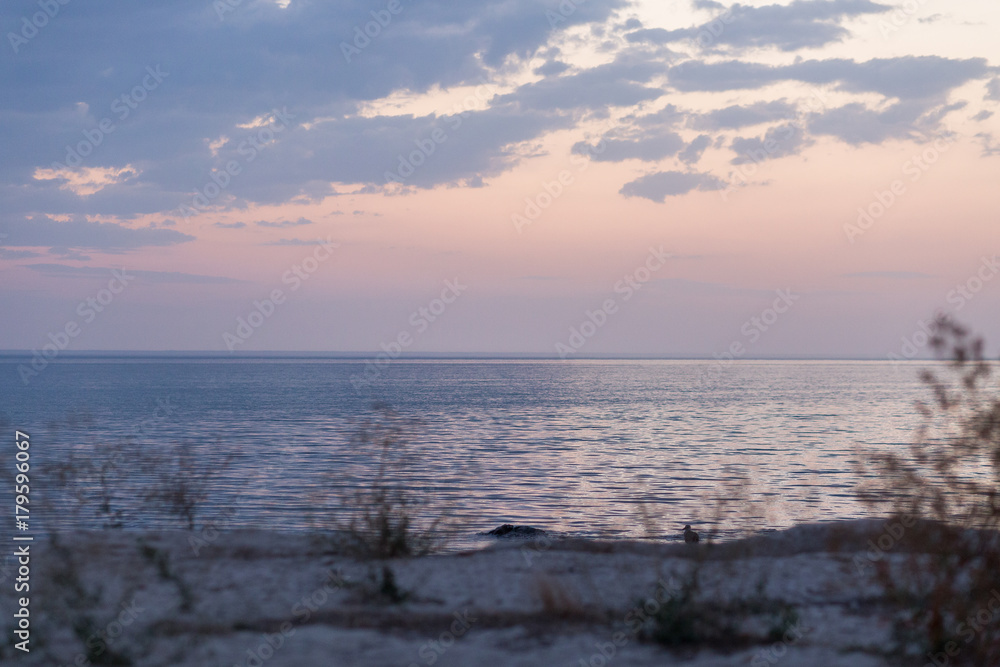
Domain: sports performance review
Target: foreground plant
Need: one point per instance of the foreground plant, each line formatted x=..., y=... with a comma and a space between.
x=387, y=515
x=945, y=488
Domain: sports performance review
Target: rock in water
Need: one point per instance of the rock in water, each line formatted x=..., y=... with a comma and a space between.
x=510, y=530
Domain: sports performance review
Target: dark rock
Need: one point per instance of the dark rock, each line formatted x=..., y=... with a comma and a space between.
x=510, y=530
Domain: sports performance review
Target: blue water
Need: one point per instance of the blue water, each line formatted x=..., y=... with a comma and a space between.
x=580, y=447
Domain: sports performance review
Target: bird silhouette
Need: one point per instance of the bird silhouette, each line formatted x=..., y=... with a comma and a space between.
x=690, y=535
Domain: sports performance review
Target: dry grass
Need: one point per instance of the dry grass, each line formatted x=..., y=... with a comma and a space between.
x=558, y=601
x=944, y=492
x=385, y=514
x=120, y=483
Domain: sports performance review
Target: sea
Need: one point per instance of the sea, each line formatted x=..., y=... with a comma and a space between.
x=589, y=448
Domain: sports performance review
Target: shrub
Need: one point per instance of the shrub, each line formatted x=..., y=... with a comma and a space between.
x=949, y=479
x=385, y=514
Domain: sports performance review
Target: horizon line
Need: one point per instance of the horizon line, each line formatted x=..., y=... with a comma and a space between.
x=439, y=356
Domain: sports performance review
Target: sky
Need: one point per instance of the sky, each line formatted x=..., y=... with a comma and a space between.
x=670, y=178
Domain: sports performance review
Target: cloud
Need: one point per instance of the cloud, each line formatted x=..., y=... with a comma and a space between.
x=66, y=271
x=86, y=180
x=69, y=253
x=737, y=116
x=81, y=233
x=991, y=147
x=294, y=242
x=551, y=68
x=904, y=77
x=993, y=89
x=658, y=186
x=777, y=142
x=649, y=147
x=616, y=84
x=693, y=152
x=799, y=25
x=284, y=223
x=856, y=124
x=894, y=275
x=264, y=57
x=655, y=36
x=6, y=253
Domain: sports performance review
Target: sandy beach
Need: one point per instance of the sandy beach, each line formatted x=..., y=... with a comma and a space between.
x=804, y=596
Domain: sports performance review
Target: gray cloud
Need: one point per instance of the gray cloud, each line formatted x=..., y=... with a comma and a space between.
x=736, y=116
x=294, y=242
x=658, y=186
x=799, y=25
x=777, y=142
x=81, y=233
x=262, y=57
x=284, y=223
x=6, y=253
x=649, y=147
x=856, y=124
x=66, y=271
x=693, y=152
x=894, y=275
x=551, y=68
x=993, y=89
x=618, y=83
x=905, y=77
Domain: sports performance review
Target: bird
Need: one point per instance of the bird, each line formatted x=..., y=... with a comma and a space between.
x=690, y=535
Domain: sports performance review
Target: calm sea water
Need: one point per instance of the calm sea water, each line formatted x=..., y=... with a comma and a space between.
x=583, y=447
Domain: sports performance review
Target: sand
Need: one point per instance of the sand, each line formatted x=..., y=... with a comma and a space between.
x=254, y=598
